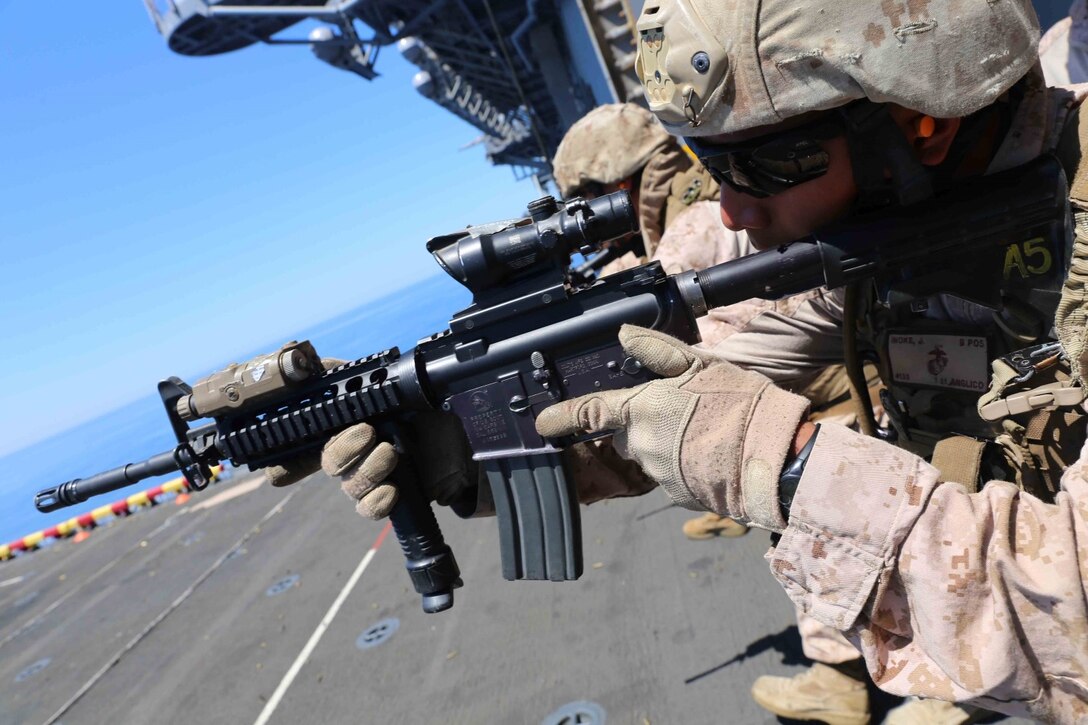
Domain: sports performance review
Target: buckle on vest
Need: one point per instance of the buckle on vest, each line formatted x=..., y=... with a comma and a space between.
x=1060, y=395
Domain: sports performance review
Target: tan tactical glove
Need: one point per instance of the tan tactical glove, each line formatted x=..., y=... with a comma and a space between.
x=364, y=464
x=713, y=435
x=600, y=473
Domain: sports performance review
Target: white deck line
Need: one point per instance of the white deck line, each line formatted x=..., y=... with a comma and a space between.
x=166, y=612
x=296, y=667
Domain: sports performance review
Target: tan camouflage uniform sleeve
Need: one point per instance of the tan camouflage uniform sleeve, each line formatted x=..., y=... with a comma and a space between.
x=697, y=239
x=950, y=595
x=793, y=343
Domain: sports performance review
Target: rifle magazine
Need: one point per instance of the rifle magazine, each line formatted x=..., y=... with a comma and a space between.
x=540, y=525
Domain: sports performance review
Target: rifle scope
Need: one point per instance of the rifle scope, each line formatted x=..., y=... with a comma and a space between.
x=486, y=256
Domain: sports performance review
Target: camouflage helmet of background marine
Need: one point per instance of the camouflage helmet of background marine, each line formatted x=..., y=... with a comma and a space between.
x=725, y=66
x=607, y=145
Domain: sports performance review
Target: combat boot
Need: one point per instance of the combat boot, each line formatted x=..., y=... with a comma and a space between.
x=821, y=693
x=710, y=525
x=916, y=711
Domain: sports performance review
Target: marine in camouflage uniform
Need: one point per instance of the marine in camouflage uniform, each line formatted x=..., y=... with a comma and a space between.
x=697, y=240
x=949, y=594
x=621, y=145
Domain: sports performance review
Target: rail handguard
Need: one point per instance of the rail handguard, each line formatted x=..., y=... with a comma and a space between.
x=536, y=334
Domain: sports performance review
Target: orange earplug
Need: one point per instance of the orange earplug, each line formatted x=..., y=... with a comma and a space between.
x=926, y=126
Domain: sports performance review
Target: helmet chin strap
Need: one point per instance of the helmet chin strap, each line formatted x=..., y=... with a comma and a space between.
x=886, y=170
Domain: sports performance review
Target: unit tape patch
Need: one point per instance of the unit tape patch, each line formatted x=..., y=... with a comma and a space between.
x=959, y=362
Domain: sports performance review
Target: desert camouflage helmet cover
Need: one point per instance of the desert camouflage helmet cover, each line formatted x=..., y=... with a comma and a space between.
x=607, y=145
x=722, y=66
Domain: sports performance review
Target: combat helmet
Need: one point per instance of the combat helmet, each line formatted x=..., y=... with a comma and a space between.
x=607, y=145
x=714, y=67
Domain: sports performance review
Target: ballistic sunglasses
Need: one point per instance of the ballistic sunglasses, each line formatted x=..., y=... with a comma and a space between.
x=766, y=166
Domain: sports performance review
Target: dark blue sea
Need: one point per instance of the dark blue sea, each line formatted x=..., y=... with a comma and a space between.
x=141, y=429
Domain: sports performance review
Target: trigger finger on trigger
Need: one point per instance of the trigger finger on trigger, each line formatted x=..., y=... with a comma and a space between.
x=347, y=448
x=371, y=472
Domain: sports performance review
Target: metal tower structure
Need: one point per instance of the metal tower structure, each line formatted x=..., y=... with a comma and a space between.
x=520, y=71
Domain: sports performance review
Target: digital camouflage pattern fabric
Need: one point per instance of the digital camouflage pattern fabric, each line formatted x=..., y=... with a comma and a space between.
x=609, y=144
x=713, y=67
x=950, y=595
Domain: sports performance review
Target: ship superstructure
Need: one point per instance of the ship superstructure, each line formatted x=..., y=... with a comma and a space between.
x=520, y=71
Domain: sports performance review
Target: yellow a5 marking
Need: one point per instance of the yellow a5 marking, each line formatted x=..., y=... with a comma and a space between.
x=1028, y=259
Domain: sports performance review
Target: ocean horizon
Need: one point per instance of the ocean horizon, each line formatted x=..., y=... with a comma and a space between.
x=140, y=429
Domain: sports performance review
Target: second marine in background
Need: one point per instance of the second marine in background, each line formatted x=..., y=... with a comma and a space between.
x=622, y=146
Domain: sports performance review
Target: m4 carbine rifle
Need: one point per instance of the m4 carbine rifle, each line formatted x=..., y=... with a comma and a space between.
x=535, y=335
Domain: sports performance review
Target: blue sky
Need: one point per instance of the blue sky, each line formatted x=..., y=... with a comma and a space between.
x=159, y=214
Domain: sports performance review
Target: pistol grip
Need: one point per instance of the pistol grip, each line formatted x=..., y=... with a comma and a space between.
x=540, y=525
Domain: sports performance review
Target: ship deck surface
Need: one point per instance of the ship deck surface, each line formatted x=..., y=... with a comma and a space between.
x=193, y=615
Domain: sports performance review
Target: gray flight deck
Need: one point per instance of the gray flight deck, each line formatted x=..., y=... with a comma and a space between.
x=197, y=613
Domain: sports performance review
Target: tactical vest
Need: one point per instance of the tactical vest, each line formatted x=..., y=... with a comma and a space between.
x=987, y=392
x=982, y=391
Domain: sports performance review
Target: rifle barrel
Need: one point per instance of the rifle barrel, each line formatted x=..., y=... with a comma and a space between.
x=770, y=275
x=81, y=489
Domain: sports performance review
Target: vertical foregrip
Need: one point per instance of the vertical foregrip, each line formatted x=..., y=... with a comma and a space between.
x=430, y=562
